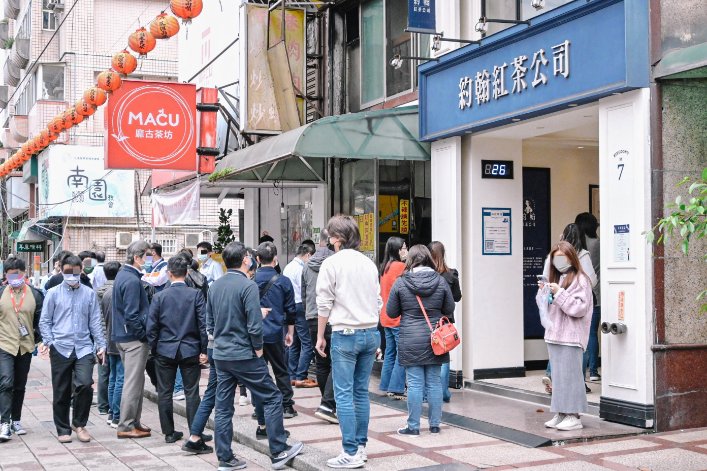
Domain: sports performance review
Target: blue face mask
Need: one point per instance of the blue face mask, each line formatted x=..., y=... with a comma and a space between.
x=15, y=280
x=71, y=279
x=148, y=264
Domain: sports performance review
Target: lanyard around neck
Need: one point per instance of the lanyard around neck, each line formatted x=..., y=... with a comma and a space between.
x=22, y=300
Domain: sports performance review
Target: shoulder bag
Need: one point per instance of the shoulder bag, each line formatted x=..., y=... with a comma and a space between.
x=444, y=336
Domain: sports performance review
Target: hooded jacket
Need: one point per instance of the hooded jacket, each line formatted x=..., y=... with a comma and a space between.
x=309, y=281
x=414, y=347
x=105, y=297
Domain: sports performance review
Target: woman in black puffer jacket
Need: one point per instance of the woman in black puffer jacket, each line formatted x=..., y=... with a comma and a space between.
x=422, y=366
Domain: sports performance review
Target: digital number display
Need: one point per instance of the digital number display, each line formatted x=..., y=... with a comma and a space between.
x=501, y=169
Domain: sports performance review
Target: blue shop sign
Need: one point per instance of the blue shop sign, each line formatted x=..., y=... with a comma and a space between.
x=568, y=56
x=421, y=16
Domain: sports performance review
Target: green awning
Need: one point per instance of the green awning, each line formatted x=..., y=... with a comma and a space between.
x=28, y=234
x=298, y=155
x=14, y=234
x=689, y=62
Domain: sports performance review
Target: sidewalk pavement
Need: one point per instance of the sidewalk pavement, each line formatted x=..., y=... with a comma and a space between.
x=453, y=449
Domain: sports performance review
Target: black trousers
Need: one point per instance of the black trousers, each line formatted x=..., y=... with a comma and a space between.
x=324, y=378
x=274, y=353
x=13, y=380
x=63, y=370
x=103, y=376
x=166, y=372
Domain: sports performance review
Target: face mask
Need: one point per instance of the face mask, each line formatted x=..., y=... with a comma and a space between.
x=202, y=257
x=88, y=270
x=253, y=264
x=71, y=279
x=561, y=263
x=148, y=264
x=15, y=280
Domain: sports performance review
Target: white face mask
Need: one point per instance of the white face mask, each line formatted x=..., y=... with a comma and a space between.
x=561, y=263
x=202, y=257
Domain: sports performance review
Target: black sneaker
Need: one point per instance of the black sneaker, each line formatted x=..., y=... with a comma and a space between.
x=206, y=437
x=289, y=412
x=198, y=448
x=233, y=463
x=326, y=414
x=173, y=437
x=261, y=433
x=586, y=388
x=281, y=460
x=408, y=431
x=434, y=429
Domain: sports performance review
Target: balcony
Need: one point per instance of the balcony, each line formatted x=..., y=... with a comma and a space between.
x=19, y=55
x=12, y=9
x=4, y=96
x=18, y=128
x=11, y=73
x=4, y=30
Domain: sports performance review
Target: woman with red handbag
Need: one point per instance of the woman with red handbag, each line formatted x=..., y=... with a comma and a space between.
x=421, y=298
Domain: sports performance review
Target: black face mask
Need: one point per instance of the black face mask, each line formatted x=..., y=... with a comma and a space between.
x=331, y=247
x=253, y=265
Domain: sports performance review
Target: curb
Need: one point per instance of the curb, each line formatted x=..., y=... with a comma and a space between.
x=310, y=459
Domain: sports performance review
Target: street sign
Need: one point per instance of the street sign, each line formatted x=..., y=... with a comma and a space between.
x=421, y=16
x=30, y=247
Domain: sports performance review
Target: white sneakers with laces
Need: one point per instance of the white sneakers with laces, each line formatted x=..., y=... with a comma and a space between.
x=17, y=428
x=243, y=401
x=5, y=432
x=346, y=461
x=570, y=422
x=362, y=453
x=555, y=420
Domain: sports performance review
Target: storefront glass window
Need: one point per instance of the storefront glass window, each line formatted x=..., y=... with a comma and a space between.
x=358, y=198
x=514, y=10
x=397, y=42
x=372, y=37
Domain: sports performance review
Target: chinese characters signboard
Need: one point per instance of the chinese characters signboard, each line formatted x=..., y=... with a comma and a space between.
x=368, y=231
x=560, y=61
x=73, y=181
x=421, y=16
x=259, y=106
x=30, y=246
x=404, y=216
x=152, y=125
x=496, y=231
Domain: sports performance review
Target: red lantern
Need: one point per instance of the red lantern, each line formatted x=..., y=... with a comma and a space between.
x=124, y=62
x=164, y=26
x=71, y=118
x=56, y=125
x=84, y=109
x=186, y=9
x=142, y=42
x=48, y=136
x=109, y=81
x=95, y=96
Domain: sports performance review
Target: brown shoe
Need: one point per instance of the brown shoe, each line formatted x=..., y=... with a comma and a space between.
x=306, y=383
x=64, y=438
x=82, y=434
x=143, y=428
x=293, y=382
x=134, y=433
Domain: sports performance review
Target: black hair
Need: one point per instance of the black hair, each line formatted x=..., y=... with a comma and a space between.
x=392, y=253
x=111, y=270
x=13, y=263
x=186, y=253
x=157, y=249
x=86, y=254
x=588, y=224
x=265, y=238
x=206, y=245
x=419, y=256
x=233, y=255
x=267, y=252
x=100, y=256
x=310, y=243
x=305, y=249
x=194, y=265
x=62, y=255
x=344, y=228
x=178, y=266
x=574, y=236
x=72, y=260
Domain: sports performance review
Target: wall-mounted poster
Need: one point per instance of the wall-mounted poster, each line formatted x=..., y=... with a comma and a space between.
x=496, y=231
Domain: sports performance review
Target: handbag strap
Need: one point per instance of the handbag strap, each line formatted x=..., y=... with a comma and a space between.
x=419, y=301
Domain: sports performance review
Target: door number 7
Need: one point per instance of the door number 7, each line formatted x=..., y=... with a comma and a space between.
x=621, y=170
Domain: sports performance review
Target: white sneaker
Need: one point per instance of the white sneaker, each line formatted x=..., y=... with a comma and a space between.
x=346, y=461
x=570, y=422
x=243, y=401
x=362, y=453
x=5, y=432
x=555, y=420
x=17, y=428
x=179, y=396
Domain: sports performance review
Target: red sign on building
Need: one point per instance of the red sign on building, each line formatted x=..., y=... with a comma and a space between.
x=152, y=125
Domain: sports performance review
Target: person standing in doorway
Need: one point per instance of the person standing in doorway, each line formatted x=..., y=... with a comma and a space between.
x=234, y=318
x=130, y=309
x=300, y=352
x=392, y=374
x=451, y=276
x=72, y=331
x=209, y=267
x=348, y=298
x=327, y=408
x=588, y=226
x=20, y=311
x=116, y=375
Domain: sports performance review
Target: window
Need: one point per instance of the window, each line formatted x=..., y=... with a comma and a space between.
x=169, y=246
x=27, y=98
x=372, y=37
x=513, y=10
x=48, y=15
x=398, y=42
x=50, y=82
x=353, y=61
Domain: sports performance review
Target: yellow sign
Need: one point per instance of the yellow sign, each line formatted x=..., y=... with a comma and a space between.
x=404, y=216
x=388, y=213
x=622, y=303
x=368, y=231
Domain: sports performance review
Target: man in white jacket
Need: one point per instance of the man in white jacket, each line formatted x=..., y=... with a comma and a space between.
x=349, y=300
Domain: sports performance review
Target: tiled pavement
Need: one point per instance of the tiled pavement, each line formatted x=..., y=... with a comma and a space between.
x=454, y=448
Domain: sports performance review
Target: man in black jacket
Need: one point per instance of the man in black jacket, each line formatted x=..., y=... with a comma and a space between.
x=130, y=308
x=176, y=334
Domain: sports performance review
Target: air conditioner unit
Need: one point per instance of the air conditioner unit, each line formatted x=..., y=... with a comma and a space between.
x=123, y=239
x=56, y=5
x=191, y=239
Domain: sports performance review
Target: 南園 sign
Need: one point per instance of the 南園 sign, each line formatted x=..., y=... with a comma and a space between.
x=571, y=55
x=152, y=125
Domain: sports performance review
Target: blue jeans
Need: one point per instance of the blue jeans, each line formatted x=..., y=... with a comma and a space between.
x=424, y=380
x=255, y=376
x=591, y=354
x=444, y=377
x=301, y=351
x=352, y=359
x=207, y=402
x=178, y=384
x=115, y=385
x=392, y=374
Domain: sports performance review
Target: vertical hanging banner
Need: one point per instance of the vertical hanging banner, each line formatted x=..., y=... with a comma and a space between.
x=421, y=16
x=404, y=216
x=176, y=207
x=151, y=125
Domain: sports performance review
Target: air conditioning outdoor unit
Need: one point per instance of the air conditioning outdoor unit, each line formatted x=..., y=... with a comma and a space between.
x=123, y=239
x=56, y=5
x=191, y=239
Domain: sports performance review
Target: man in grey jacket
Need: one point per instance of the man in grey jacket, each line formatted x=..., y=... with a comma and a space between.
x=327, y=408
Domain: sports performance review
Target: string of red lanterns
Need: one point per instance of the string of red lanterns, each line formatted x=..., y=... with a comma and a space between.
x=123, y=63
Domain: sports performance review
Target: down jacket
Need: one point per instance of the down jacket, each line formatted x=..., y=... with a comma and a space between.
x=414, y=347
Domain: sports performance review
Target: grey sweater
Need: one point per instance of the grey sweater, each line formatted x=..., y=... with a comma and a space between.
x=309, y=281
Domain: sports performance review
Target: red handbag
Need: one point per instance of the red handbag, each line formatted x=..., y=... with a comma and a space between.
x=444, y=337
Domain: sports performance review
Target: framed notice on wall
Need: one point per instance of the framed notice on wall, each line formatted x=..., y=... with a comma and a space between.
x=496, y=231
